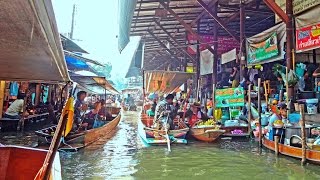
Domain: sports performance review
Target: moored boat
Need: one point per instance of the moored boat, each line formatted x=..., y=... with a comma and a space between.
x=206, y=133
x=81, y=139
x=154, y=136
x=295, y=152
x=25, y=163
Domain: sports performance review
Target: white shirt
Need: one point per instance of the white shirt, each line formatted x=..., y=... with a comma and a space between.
x=15, y=108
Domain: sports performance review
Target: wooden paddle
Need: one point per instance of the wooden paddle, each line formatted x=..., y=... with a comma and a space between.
x=167, y=136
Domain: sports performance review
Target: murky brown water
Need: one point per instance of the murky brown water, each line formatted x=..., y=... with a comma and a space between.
x=124, y=156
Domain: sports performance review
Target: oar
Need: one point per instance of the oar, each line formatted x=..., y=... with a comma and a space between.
x=167, y=136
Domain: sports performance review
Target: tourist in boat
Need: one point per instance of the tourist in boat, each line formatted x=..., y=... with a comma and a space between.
x=15, y=110
x=92, y=116
x=164, y=112
x=103, y=111
x=195, y=114
x=79, y=107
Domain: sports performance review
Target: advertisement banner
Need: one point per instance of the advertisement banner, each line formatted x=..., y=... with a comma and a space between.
x=298, y=6
x=225, y=43
x=230, y=97
x=258, y=52
x=308, y=38
x=206, y=62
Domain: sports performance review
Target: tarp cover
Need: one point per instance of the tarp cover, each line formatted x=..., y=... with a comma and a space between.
x=30, y=44
x=126, y=9
x=164, y=81
x=280, y=29
x=71, y=46
x=95, y=82
x=76, y=62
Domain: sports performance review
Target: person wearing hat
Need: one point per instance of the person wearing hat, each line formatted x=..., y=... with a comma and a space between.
x=282, y=114
x=164, y=112
x=195, y=114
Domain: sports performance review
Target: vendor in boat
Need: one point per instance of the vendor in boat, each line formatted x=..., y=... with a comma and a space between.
x=15, y=110
x=151, y=112
x=280, y=115
x=79, y=107
x=195, y=114
x=164, y=112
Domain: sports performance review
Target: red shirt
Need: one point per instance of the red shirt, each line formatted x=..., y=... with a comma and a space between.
x=193, y=119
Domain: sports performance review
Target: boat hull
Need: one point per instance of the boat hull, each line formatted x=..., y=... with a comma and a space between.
x=157, y=137
x=24, y=163
x=295, y=152
x=206, y=134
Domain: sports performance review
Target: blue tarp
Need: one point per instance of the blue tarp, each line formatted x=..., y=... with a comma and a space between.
x=76, y=64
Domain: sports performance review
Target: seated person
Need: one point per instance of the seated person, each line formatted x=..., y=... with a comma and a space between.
x=151, y=111
x=15, y=110
x=92, y=115
x=103, y=111
x=195, y=114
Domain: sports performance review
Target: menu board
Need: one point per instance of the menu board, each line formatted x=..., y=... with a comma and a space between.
x=229, y=97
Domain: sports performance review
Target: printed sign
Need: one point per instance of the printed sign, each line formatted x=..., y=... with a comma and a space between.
x=230, y=97
x=258, y=52
x=308, y=38
x=225, y=44
x=298, y=6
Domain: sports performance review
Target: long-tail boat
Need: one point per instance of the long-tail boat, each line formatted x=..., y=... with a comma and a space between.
x=162, y=82
x=30, y=50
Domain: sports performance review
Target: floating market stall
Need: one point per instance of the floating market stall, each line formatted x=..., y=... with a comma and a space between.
x=163, y=82
x=31, y=50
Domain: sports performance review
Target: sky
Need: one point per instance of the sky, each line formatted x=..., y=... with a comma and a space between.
x=96, y=30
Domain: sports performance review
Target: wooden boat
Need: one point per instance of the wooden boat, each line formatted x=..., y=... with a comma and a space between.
x=153, y=136
x=206, y=134
x=295, y=152
x=25, y=163
x=76, y=141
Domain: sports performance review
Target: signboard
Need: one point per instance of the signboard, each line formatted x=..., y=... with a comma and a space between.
x=298, y=6
x=230, y=97
x=229, y=56
x=224, y=43
x=206, y=62
x=308, y=38
x=258, y=52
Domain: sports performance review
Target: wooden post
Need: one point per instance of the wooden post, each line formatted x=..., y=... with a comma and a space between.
x=303, y=135
x=265, y=91
x=249, y=107
x=276, y=145
x=2, y=91
x=38, y=94
x=198, y=91
x=213, y=101
x=259, y=111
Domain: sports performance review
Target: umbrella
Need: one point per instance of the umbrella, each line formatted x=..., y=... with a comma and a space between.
x=153, y=96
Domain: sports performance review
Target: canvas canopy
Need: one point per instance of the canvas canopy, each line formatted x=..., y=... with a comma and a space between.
x=164, y=81
x=94, y=83
x=77, y=63
x=30, y=45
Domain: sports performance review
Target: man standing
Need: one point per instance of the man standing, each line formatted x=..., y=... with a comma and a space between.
x=164, y=112
x=78, y=107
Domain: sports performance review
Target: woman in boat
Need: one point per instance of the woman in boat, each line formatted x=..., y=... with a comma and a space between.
x=195, y=114
x=92, y=115
x=279, y=116
x=15, y=110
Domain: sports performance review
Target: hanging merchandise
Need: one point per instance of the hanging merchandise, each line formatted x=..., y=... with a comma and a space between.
x=14, y=88
x=292, y=77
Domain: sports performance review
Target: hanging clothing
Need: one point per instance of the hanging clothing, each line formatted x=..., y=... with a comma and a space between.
x=14, y=88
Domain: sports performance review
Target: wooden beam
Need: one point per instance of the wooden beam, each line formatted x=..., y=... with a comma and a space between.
x=217, y=19
x=174, y=39
x=277, y=10
x=194, y=22
x=164, y=46
x=186, y=26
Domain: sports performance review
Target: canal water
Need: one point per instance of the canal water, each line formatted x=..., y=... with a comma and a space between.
x=123, y=156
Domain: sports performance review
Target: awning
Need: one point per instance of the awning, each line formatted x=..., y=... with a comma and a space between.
x=77, y=63
x=164, y=81
x=136, y=62
x=95, y=82
x=30, y=44
x=71, y=46
x=126, y=9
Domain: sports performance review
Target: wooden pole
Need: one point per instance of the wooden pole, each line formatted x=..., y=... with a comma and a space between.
x=213, y=101
x=276, y=145
x=259, y=111
x=265, y=91
x=249, y=107
x=198, y=90
x=2, y=91
x=38, y=94
x=303, y=135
